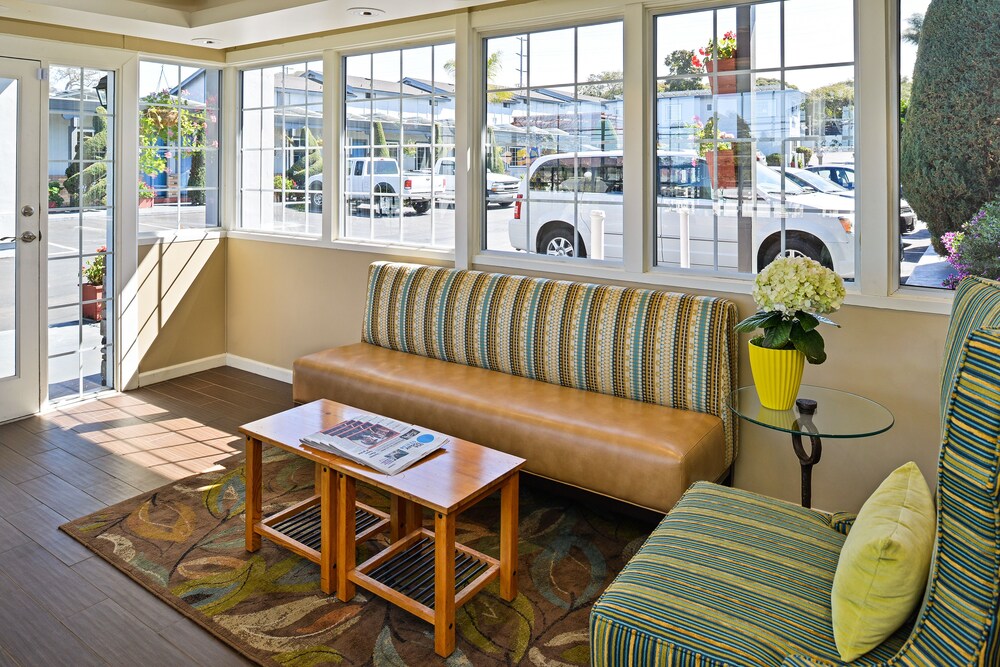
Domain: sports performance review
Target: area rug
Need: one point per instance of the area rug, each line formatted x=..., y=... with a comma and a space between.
x=185, y=543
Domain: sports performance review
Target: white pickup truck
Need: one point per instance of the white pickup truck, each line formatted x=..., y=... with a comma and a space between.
x=500, y=188
x=381, y=177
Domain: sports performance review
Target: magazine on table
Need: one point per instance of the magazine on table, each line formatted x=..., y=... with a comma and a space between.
x=384, y=444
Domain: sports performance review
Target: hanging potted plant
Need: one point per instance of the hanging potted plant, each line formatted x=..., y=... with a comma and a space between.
x=93, y=290
x=792, y=295
x=716, y=59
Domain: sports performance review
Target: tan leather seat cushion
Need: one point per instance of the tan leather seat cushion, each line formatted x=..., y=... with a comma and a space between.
x=638, y=452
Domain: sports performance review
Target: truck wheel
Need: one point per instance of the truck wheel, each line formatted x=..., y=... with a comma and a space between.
x=421, y=207
x=796, y=247
x=505, y=204
x=316, y=201
x=385, y=205
x=559, y=242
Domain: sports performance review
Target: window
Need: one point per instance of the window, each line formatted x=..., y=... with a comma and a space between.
x=178, y=147
x=949, y=211
x=749, y=100
x=399, y=147
x=80, y=243
x=554, y=133
x=281, y=156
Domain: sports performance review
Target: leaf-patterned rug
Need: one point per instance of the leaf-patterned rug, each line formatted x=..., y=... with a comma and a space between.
x=185, y=543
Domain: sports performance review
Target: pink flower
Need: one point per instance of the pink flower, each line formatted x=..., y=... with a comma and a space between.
x=212, y=118
x=168, y=154
x=215, y=144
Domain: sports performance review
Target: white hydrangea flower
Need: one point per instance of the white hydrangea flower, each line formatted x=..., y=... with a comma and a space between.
x=789, y=284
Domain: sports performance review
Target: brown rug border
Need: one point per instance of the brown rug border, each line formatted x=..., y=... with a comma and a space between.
x=185, y=609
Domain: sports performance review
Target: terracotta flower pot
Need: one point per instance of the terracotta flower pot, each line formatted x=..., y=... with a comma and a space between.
x=777, y=375
x=723, y=176
x=95, y=310
x=722, y=83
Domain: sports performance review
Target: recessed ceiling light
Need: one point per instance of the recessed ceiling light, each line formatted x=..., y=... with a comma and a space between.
x=205, y=41
x=365, y=12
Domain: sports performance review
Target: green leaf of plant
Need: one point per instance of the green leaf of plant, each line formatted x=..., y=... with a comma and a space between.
x=777, y=337
x=810, y=343
x=755, y=321
x=807, y=321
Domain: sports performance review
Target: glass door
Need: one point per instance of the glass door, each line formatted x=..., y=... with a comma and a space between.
x=80, y=304
x=19, y=238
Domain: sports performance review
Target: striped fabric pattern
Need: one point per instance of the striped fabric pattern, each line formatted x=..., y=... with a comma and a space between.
x=728, y=578
x=976, y=306
x=677, y=350
x=733, y=578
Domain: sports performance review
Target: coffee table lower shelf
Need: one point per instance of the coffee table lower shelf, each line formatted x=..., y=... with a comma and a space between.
x=298, y=528
x=404, y=573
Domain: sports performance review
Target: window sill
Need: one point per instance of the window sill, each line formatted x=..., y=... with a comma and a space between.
x=399, y=252
x=169, y=236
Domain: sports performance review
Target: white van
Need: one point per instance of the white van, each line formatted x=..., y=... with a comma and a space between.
x=692, y=229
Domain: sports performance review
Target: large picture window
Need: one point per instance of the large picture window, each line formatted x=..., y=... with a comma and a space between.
x=281, y=157
x=178, y=147
x=554, y=140
x=755, y=136
x=399, y=147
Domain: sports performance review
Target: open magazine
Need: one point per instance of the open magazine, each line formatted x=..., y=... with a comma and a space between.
x=384, y=444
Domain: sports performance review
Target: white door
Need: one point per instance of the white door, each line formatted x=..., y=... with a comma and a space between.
x=19, y=237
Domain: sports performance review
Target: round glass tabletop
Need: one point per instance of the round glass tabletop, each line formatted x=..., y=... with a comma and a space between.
x=838, y=414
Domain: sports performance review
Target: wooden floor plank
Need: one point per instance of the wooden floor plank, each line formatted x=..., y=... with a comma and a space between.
x=21, y=440
x=53, y=584
x=41, y=524
x=205, y=649
x=13, y=499
x=61, y=496
x=33, y=636
x=16, y=468
x=132, y=597
x=122, y=639
x=11, y=537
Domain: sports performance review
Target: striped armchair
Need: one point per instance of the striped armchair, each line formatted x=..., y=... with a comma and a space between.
x=734, y=578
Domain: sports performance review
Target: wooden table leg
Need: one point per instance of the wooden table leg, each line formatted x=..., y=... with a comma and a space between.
x=253, y=503
x=346, y=529
x=318, y=477
x=508, y=538
x=405, y=516
x=327, y=488
x=444, y=584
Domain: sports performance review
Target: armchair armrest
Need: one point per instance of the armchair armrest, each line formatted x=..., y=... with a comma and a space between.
x=842, y=521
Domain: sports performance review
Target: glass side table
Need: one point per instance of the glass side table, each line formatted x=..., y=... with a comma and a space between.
x=818, y=413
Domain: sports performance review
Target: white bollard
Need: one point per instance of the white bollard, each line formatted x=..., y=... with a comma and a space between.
x=596, y=234
x=685, y=234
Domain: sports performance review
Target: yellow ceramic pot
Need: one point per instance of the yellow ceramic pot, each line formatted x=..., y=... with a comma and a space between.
x=777, y=375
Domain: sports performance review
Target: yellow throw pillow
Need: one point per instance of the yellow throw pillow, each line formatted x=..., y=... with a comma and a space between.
x=884, y=563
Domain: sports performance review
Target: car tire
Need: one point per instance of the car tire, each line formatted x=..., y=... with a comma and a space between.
x=505, y=204
x=316, y=201
x=797, y=247
x=559, y=242
x=421, y=207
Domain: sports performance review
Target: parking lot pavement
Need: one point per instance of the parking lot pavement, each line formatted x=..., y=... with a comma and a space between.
x=921, y=266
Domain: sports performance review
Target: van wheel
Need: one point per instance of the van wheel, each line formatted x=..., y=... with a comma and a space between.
x=316, y=201
x=421, y=207
x=796, y=247
x=559, y=242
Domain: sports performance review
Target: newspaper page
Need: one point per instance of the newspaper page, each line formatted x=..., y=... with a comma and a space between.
x=384, y=444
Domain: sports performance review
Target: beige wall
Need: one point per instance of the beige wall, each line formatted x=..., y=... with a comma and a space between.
x=285, y=301
x=181, y=302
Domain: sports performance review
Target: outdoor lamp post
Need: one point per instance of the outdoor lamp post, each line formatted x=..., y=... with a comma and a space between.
x=102, y=91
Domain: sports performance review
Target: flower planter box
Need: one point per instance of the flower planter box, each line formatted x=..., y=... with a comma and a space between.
x=146, y=202
x=722, y=83
x=95, y=310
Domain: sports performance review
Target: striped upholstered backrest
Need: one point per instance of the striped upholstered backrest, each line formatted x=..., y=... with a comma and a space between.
x=677, y=350
x=976, y=305
x=958, y=624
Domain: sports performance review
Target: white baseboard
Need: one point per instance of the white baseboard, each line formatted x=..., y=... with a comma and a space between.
x=260, y=368
x=179, y=370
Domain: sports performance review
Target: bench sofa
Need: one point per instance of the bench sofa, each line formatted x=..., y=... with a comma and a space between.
x=617, y=391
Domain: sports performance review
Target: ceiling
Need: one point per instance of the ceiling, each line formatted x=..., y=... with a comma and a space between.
x=229, y=22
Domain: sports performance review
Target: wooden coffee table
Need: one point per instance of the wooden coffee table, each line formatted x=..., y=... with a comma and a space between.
x=423, y=572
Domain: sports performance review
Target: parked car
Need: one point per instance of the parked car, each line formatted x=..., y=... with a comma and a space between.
x=380, y=177
x=560, y=191
x=810, y=180
x=843, y=175
x=500, y=188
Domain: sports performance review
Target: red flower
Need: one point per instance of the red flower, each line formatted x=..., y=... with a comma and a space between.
x=695, y=61
x=730, y=35
x=702, y=51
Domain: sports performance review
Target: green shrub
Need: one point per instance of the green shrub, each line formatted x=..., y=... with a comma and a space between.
x=806, y=152
x=975, y=250
x=774, y=160
x=948, y=151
